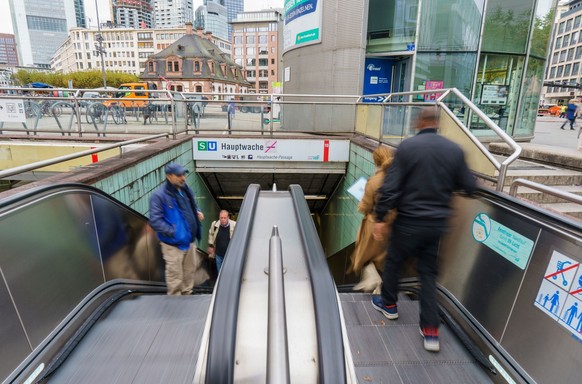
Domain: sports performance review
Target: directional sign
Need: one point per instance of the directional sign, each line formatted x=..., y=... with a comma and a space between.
x=376, y=99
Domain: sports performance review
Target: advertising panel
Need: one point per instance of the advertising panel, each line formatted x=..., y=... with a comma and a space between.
x=302, y=23
x=12, y=111
x=430, y=85
x=494, y=94
x=272, y=150
x=377, y=76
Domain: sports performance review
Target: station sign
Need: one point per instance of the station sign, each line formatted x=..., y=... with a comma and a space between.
x=272, y=150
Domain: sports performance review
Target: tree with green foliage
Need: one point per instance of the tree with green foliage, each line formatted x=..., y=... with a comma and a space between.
x=81, y=79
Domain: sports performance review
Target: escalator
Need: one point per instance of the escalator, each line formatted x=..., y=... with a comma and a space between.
x=103, y=315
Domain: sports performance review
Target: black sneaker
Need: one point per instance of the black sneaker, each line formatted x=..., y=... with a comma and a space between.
x=431, y=338
x=390, y=311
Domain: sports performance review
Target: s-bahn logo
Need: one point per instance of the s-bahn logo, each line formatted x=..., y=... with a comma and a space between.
x=207, y=146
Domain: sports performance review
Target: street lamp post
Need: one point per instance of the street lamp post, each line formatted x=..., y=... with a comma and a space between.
x=99, y=50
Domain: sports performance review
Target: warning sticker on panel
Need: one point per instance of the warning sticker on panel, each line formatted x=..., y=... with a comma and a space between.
x=560, y=294
x=505, y=241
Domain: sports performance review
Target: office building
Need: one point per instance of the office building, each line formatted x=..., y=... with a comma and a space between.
x=126, y=49
x=80, y=13
x=173, y=13
x=40, y=27
x=563, y=76
x=256, y=47
x=493, y=51
x=133, y=13
x=8, y=54
x=233, y=7
x=212, y=17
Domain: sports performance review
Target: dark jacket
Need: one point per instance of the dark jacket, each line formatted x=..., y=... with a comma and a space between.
x=427, y=169
x=168, y=220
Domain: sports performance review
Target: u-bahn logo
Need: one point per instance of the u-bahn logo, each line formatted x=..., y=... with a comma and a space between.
x=207, y=146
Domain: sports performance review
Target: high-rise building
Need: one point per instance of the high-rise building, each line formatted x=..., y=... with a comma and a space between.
x=40, y=27
x=173, y=13
x=212, y=17
x=255, y=38
x=80, y=13
x=133, y=13
x=8, y=55
x=233, y=7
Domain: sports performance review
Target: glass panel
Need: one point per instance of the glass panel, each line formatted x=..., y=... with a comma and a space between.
x=455, y=70
x=391, y=25
x=558, y=43
x=497, y=90
x=530, y=98
x=462, y=19
x=507, y=25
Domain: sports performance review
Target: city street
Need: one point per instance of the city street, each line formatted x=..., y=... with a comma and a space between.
x=548, y=132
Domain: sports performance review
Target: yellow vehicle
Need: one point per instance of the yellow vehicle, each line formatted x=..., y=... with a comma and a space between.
x=132, y=95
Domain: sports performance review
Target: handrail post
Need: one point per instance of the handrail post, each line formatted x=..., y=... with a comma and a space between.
x=277, y=349
x=173, y=103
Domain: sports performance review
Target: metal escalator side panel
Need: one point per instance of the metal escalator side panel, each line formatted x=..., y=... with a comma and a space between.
x=327, y=313
x=222, y=338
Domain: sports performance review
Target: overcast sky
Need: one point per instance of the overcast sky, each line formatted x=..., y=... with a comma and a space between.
x=6, y=21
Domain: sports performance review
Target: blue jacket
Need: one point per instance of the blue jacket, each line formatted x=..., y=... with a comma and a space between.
x=571, y=111
x=169, y=221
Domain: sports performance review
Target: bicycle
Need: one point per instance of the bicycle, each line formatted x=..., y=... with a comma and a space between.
x=118, y=114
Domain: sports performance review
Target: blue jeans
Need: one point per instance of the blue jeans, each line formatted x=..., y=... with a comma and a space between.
x=219, y=260
x=421, y=241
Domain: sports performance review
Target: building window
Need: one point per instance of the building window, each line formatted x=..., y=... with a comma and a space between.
x=250, y=39
x=199, y=88
x=575, y=69
x=568, y=25
x=196, y=66
x=238, y=39
x=560, y=71
x=570, y=54
x=567, y=68
x=576, y=22
x=565, y=41
x=250, y=51
x=151, y=66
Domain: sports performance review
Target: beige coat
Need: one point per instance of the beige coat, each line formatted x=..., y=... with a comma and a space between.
x=367, y=248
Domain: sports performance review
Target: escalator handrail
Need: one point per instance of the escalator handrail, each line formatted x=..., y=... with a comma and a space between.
x=45, y=190
x=222, y=338
x=327, y=316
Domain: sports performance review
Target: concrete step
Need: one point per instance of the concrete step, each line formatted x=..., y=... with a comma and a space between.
x=545, y=175
x=536, y=196
x=569, y=209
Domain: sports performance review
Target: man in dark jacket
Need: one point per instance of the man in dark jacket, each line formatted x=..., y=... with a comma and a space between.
x=427, y=169
x=571, y=113
x=176, y=218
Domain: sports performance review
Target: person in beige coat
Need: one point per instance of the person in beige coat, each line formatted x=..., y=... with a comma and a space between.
x=368, y=256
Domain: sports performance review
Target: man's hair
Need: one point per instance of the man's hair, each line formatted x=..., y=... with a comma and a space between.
x=429, y=114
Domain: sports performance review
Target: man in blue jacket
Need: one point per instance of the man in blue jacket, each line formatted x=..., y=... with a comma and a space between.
x=426, y=170
x=174, y=215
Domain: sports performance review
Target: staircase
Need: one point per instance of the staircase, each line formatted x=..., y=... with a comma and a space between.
x=558, y=168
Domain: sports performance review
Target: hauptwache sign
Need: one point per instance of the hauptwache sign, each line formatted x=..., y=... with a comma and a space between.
x=272, y=150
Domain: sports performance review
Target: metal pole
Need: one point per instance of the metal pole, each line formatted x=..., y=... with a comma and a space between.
x=100, y=49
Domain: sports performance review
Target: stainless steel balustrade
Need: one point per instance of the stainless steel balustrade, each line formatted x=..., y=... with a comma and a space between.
x=277, y=346
x=60, y=159
x=571, y=197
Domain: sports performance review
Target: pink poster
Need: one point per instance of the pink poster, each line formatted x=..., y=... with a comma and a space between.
x=430, y=85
